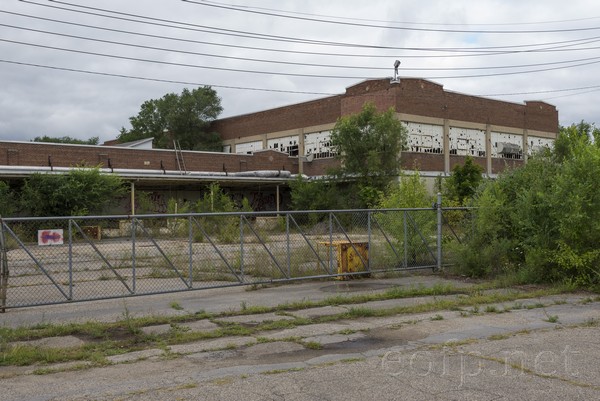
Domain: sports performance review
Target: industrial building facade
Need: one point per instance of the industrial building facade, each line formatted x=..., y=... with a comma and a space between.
x=443, y=127
x=264, y=150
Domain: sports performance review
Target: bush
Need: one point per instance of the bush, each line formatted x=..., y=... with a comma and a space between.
x=409, y=192
x=540, y=223
x=214, y=200
x=80, y=192
x=7, y=200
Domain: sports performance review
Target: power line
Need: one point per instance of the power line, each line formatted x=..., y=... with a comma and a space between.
x=106, y=74
x=355, y=24
x=221, y=31
x=592, y=88
x=292, y=63
x=572, y=94
x=191, y=40
x=478, y=51
x=236, y=70
x=207, y=29
x=578, y=64
x=544, y=91
x=402, y=22
x=112, y=42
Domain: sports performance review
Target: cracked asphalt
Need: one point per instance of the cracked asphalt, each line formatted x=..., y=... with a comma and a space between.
x=549, y=351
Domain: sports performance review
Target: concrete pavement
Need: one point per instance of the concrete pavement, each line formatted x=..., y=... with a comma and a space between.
x=531, y=349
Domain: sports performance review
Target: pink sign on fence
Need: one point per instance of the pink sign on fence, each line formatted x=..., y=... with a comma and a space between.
x=50, y=237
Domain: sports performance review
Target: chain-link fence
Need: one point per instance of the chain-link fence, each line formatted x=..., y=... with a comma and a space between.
x=56, y=260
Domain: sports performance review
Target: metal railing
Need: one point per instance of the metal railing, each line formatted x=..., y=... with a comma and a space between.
x=67, y=259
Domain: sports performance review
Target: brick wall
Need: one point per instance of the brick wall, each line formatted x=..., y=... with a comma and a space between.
x=460, y=160
x=316, y=112
x=541, y=116
x=319, y=166
x=411, y=96
x=422, y=161
x=499, y=165
x=38, y=154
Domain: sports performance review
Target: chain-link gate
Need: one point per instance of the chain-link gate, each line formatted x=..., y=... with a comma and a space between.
x=57, y=260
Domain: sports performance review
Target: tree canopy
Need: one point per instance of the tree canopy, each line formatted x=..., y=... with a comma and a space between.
x=67, y=139
x=182, y=117
x=464, y=181
x=368, y=145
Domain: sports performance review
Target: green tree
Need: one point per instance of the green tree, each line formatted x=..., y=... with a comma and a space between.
x=182, y=117
x=463, y=182
x=368, y=145
x=67, y=139
x=79, y=192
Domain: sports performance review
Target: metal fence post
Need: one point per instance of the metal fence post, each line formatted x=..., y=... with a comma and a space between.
x=133, y=230
x=369, y=240
x=405, y=240
x=287, y=236
x=191, y=251
x=70, y=259
x=242, y=247
x=3, y=269
x=330, y=242
x=439, y=231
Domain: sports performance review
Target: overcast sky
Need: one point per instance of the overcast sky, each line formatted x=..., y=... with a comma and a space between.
x=81, y=68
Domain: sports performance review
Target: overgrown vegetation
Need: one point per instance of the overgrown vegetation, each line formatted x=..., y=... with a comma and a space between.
x=79, y=192
x=541, y=222
x=459, y=188
x=7, y=200
x=126, y=335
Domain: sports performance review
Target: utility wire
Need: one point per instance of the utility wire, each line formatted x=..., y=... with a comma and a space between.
x=290, y=51
x=403, y=22
x=147, y=35
x=578, y=64
x=572, y=42
x=478, y=51
x=363, y=25
x=203, y=28
x=587, y=88
x=294, y=63
x=106, y=74
x=544, y=91
x=144, y=60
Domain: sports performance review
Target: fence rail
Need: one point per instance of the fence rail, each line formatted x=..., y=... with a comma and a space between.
x=68, y=259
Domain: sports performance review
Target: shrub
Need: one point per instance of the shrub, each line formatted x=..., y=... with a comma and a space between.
x=541, y=222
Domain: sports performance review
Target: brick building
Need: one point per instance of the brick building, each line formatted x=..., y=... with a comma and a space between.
x=444, y=127
x=264, y=150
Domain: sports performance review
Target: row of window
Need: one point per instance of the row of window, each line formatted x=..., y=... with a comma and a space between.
x=422, y=138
